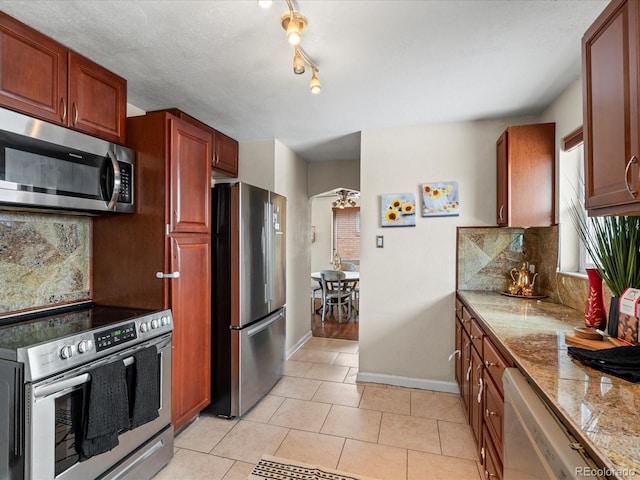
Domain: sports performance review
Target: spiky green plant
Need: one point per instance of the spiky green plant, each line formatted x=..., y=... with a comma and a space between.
x=613, y=244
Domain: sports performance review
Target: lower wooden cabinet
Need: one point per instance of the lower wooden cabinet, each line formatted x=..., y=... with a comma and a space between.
x=476, y=397
x=479, y=378
x=191, y=354
x=491, y=463
x=493, y=411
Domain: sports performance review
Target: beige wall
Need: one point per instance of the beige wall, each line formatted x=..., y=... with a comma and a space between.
x=256, y=163
x=326, y=176
x=290, y=180
x=271, y=165
x=322, y=220
x=408, y=287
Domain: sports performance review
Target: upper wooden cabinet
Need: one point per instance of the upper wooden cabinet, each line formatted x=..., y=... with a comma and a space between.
x=190, y=174
x=97, y=99
x=225, y=154
x=611, y=112
x=526, y=176
x=224, y=158
x=44, y=79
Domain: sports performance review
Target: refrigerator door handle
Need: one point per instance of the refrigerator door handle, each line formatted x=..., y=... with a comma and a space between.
x=259, y=328
x=268, y=258
x=264, y=240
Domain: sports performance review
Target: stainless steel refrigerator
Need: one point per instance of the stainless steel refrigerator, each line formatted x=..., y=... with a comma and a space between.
x=248, y=296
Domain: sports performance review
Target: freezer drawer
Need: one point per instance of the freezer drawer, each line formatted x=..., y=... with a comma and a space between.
x=258, y=355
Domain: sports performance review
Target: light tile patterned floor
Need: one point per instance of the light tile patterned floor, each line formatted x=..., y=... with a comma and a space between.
x=318, y=414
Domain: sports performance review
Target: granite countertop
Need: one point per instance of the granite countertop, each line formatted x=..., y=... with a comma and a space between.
x=602, y=410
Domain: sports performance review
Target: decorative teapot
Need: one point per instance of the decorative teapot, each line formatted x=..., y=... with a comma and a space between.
x=523, y=281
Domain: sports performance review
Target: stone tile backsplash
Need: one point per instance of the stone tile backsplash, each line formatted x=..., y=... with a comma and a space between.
x=486, y=255
x=44, y=260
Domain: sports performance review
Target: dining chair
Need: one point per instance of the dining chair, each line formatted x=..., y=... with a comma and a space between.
x=315, y=288
x=335, y=292
x=351, y=267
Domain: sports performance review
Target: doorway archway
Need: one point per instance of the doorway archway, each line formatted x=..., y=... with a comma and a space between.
x=335, y=219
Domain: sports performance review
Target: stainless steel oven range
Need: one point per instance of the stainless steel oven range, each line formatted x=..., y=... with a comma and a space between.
x=52, y=368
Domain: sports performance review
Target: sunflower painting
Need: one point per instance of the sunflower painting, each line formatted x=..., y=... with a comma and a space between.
x=440, y=199
x=398, y=210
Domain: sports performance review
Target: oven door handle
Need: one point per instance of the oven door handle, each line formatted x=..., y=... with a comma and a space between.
x=46, y=390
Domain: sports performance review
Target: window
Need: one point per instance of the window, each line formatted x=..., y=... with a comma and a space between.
x=573, y=256
x=346, y=233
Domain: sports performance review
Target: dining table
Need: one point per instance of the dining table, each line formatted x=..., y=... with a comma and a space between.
x=349, y=276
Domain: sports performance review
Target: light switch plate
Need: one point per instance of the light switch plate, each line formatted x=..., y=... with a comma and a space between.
x=379, y=241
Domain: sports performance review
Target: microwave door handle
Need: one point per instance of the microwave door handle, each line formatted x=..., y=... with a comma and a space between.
x=116, y=181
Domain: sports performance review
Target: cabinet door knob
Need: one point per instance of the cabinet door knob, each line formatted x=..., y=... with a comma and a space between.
x=632, y=160
x=488, y=364
x=488, y=413
x=488, y=475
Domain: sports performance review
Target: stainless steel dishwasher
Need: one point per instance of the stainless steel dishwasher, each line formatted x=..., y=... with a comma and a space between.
x=536, y=445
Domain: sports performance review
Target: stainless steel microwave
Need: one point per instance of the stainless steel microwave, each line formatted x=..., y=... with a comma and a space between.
x=45, y=166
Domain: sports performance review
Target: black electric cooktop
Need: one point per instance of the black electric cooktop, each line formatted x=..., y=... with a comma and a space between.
x=37, y=327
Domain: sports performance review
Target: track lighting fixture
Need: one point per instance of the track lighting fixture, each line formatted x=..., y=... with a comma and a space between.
x=298, y=62
x=294, y=23
x=314, y=84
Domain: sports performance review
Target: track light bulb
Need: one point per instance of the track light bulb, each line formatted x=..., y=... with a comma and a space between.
x=298, y=63
x=265, y=3
x=293, y=33
x=314, y=84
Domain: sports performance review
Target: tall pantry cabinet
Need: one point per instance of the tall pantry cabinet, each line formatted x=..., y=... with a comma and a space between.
x=161, y=256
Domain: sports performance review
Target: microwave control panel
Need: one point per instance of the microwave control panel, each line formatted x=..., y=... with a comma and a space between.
x=125, y=195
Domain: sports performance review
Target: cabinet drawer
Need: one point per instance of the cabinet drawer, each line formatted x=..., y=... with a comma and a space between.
x=494, y=363
x=476, y=335
x=458, y=308
x=466, y=319
x=458, y=357
x=490, y=459
x=493, y=411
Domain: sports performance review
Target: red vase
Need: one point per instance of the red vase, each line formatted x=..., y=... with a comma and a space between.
x=594, y=313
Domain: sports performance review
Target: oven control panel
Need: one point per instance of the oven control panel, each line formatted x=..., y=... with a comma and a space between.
x=116, y=336
x=48, y=358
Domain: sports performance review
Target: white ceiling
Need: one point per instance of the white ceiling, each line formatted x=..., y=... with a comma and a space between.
x=382, y=63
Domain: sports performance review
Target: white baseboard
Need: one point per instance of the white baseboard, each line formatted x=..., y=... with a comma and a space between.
x=298, y=344
x=436, y=385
